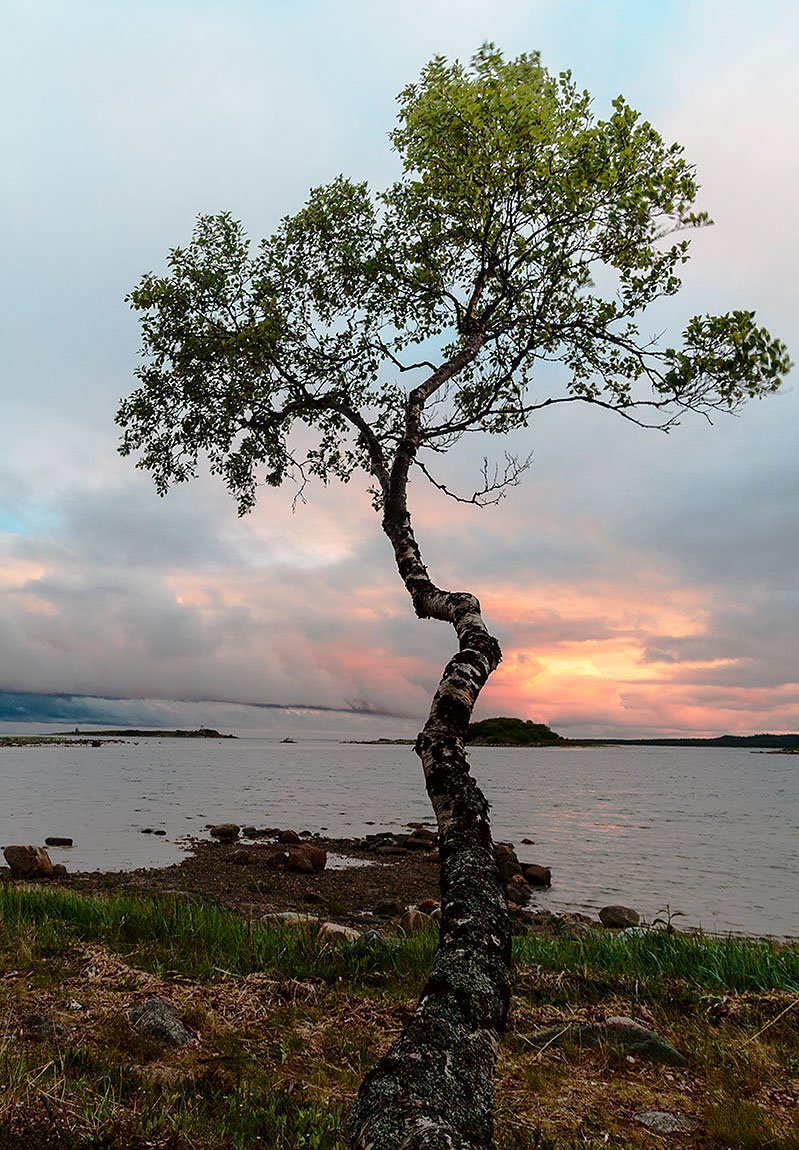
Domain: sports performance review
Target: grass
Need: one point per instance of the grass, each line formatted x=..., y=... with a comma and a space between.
x=660, y=957
x=285, y=1028
x=192, y=939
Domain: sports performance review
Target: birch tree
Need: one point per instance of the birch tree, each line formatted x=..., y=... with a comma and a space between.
x=507, y=270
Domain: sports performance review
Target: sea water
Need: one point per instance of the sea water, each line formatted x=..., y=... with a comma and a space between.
x=709, y=835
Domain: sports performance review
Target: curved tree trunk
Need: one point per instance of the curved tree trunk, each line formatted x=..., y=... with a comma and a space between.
x=434, y=1089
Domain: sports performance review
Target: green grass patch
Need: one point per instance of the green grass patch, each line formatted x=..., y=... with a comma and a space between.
x=195, y=940
x=694, y=960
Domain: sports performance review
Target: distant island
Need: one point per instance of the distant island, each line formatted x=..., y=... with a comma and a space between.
x=78, y=738
x=507, y=732
x=131, y=733
x=501, y=732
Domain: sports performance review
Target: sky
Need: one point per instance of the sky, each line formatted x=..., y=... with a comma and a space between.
x=640, y=584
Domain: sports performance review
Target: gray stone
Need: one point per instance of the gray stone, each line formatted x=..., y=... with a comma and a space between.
x=337, y=932
x=41, y=1026
x=664, y=1123
x=159, y=1019
x=418, y=843
x=619, y=916
x=371, y=944
x=289, y=918
x=623, y=1033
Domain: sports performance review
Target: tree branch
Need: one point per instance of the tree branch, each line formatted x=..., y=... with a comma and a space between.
x=494, y=486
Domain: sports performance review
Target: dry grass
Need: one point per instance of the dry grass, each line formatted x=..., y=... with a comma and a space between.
x=274, y=1060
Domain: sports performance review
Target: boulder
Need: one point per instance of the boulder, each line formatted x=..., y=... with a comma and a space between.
x=41, y=1026
x=289, y=918
x=418, y=842
x=623, y=1033
x=159, y=1019
x=225, y=832
x=28, y=861
x=517, y=889
x=337, y=932
x=423, y=832
x=537, y=875
x=59, y=870
x=619, y=916
x=289, y=838
x=504, y=850
x=371, y=944
x=415, y=920
x=299, y=863
x=662, y=1122
x=317, y=855
x=428, y=905
x=57, y=841
x=508, y=867
x=637, y=1039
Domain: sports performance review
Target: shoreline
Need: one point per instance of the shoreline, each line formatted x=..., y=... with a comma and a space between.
x=352, y=890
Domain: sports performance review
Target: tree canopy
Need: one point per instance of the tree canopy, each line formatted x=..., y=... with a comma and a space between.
x=524, y=231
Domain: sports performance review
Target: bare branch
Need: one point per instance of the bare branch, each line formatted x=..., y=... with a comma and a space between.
x=495, y=483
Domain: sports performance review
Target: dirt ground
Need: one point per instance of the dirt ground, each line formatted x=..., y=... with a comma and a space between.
x=348, y=893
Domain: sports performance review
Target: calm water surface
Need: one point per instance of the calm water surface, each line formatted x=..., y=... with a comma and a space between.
x=712, y=833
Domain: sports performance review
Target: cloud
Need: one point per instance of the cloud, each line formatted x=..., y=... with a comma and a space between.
x=636, y=581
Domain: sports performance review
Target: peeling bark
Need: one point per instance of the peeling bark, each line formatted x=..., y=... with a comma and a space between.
x=434, y=1089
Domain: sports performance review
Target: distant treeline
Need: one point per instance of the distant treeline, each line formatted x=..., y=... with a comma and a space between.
x=507, y=732
x=763, y=742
